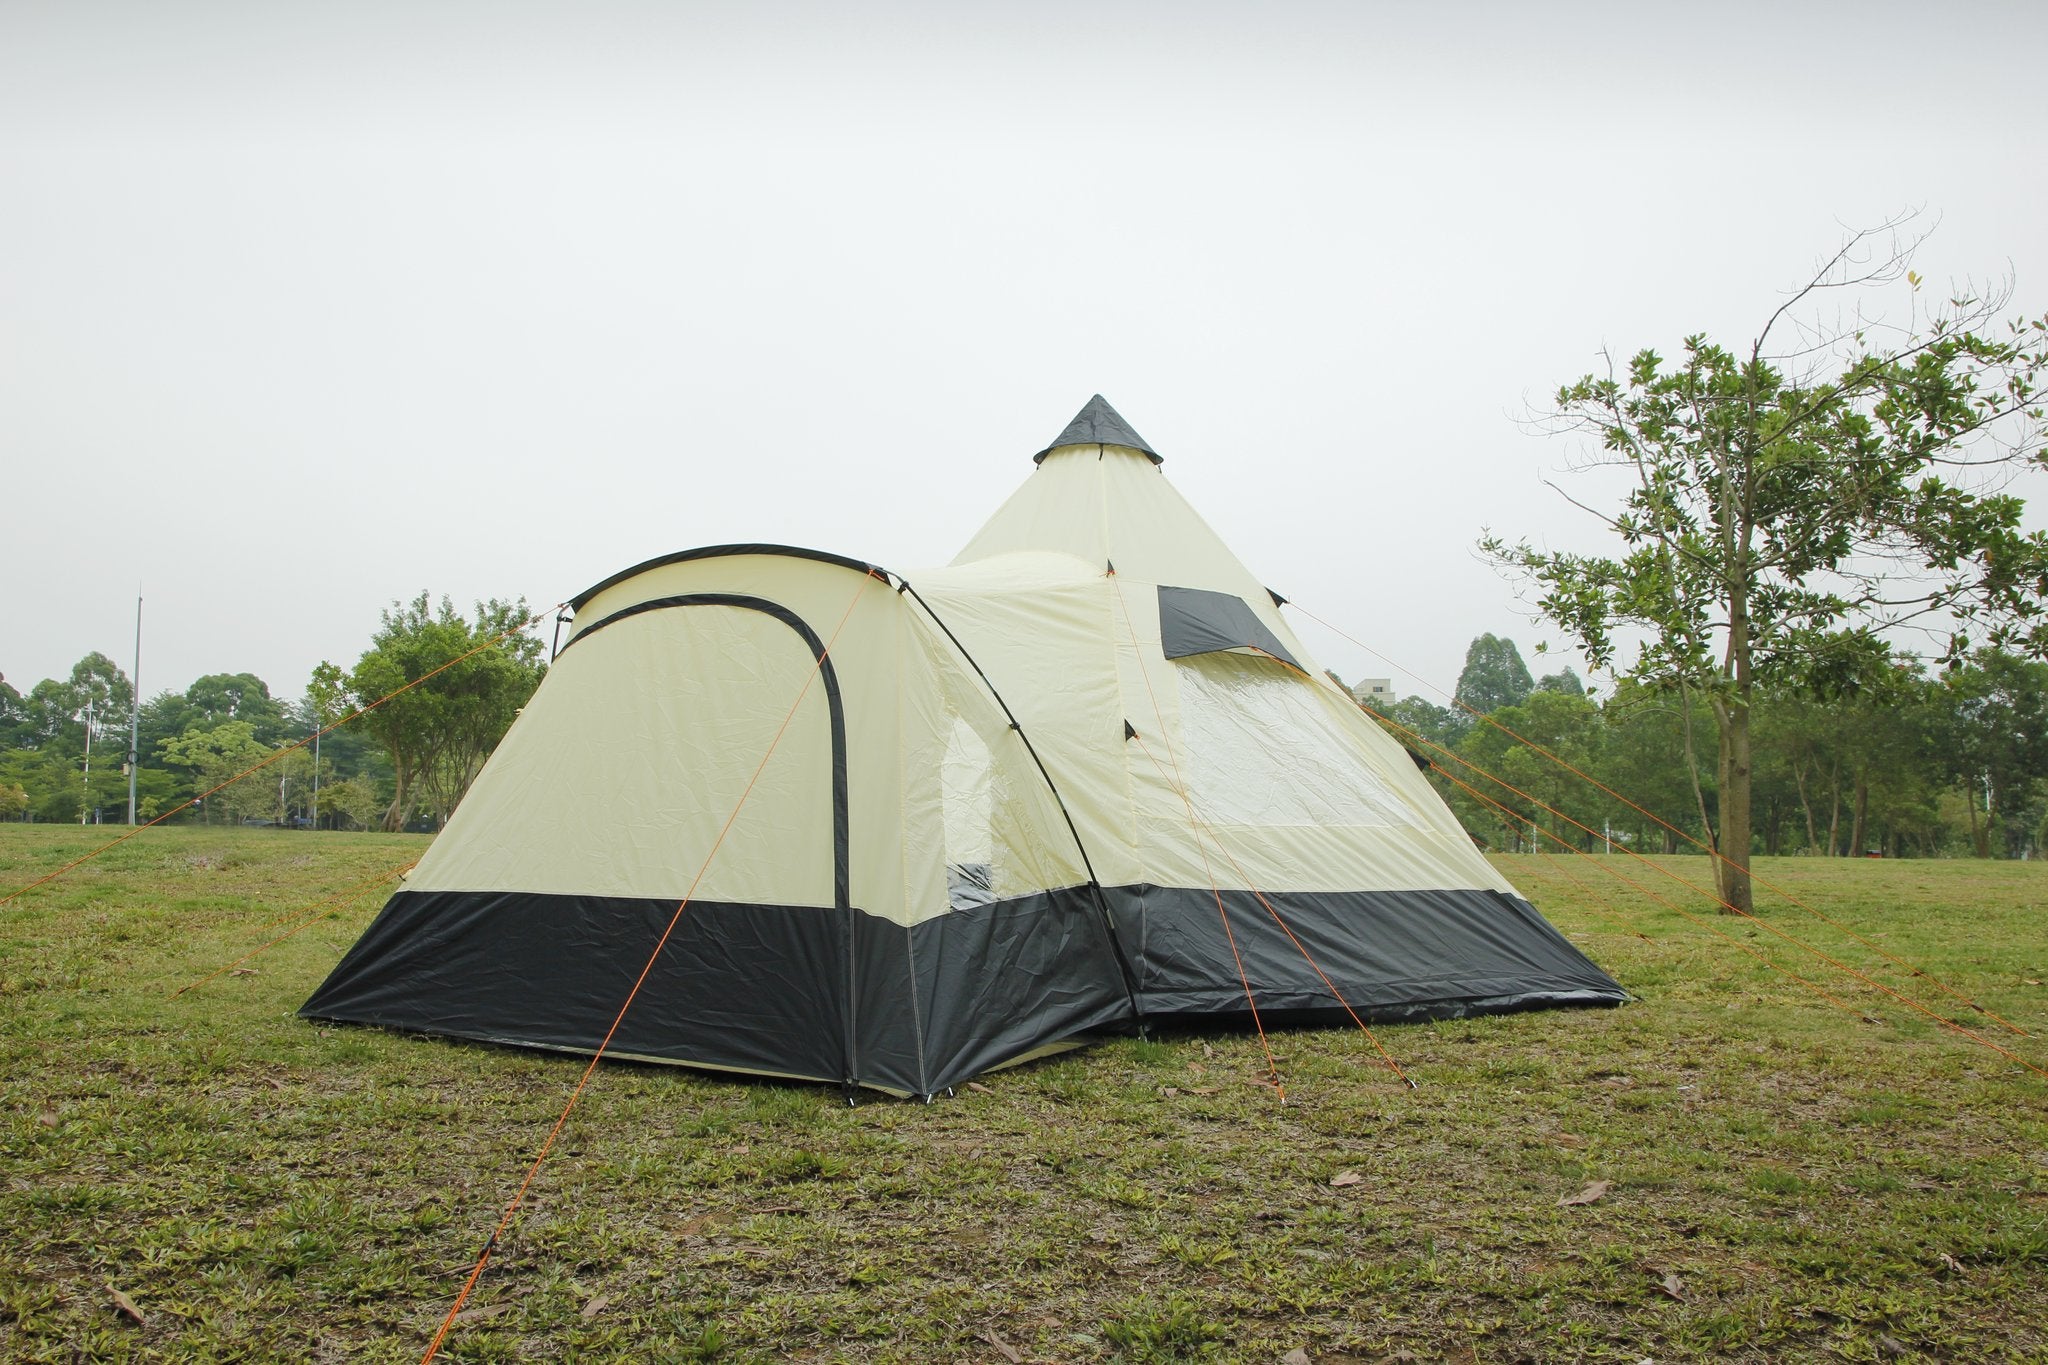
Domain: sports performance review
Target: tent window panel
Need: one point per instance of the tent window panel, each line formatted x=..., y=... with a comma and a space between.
x=966, y=788
x=1259, y=747
x=1003, y=835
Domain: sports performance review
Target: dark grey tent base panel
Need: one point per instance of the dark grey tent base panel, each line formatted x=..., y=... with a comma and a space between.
x=763, y=989
x=1391, y=955
x=738, y=987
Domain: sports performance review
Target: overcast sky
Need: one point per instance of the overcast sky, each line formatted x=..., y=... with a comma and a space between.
x=304, y=308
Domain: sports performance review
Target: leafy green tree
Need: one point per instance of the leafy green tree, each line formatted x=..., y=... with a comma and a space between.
x=1568, y=728
x=16, y=728
x=219, y=697
x=439, y=733
x=1646, y=761
x=1565, y=680
x=166, y=715
x=98, y=683
x=1789, y=503
x=1412, y=716
x=50, y=781
x=13, y=800
x=351, y=803
x=1494, y=675
x=349, y=747
x=1993, y=741
x=220, y=755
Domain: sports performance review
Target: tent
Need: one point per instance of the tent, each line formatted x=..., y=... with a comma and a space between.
x=928, y=824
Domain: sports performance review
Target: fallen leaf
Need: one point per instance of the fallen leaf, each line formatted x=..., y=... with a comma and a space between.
x=1010, y=1353
x=978, y=1088
x=1208, y=1051
x=1895, y=1349
x=479, y=1314
x=1202, y=1090
x=1672, y=1285
x=1167, y=1092
x=275, y=1083
x=1297, y=1356
x=127, y=1307
x=245, y=971
x=48, y=1116
x=2030, y=981
x=1592, y=1194
x=1567, y=1140
x=1952, y=1263
x=1343, y=1178
x=1872, y=1019
x=596, y=1306
x=702, y=1223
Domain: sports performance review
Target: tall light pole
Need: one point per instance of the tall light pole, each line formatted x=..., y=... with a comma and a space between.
x=135, y=708
x=85, y=803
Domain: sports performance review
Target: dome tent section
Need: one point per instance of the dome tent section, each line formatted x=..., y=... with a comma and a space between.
x=886, y=893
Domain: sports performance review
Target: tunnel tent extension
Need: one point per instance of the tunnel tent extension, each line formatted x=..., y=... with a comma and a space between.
x=975, y=813
x=896, y=903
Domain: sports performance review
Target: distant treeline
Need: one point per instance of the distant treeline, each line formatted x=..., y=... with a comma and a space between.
x=405, y=763
x=1922, y=765
x=1914, y=765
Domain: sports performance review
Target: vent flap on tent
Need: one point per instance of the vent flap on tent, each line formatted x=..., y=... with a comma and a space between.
x=1099, y=424
x=1196, y=621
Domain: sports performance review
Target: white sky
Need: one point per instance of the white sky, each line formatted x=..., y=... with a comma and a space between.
x=304, y=308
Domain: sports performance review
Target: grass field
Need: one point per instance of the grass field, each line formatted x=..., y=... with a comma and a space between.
x=1786, y=1178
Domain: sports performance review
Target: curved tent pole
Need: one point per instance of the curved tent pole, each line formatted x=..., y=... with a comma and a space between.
x=1116, y=947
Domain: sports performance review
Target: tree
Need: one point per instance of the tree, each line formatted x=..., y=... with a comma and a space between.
x=219, y=755
x=351, y=803
x=1569, y=728
x=51, y=783
x=1565, y=680
x=1494, y=675
x=1993, y=741
x=439, y=733
x=220, y=697
x=16, y=719
x=1791, y=503
x=1645, y=758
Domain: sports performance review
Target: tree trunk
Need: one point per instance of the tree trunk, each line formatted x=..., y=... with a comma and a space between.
x=1980, y=835
x=1857, y=831
x=1812, y=833
x=401, y=798
x=1835, y=812
x=1732, y=868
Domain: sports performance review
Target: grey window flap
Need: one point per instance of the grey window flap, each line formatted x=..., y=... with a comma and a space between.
x=1195, y=621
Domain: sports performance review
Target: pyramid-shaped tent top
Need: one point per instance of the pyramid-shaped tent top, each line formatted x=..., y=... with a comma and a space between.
x=1100, y=495
x=1099, y=424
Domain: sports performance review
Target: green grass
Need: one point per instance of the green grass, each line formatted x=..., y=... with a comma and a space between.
x=1824, y=1182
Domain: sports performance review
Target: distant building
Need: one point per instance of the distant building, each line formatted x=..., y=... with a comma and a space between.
x=1374, y=692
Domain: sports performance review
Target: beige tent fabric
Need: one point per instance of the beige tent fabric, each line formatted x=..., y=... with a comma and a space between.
x=1246, y=773
x=651, y=733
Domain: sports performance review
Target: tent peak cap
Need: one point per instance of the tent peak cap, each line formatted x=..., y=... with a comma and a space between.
x=1099, y=424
